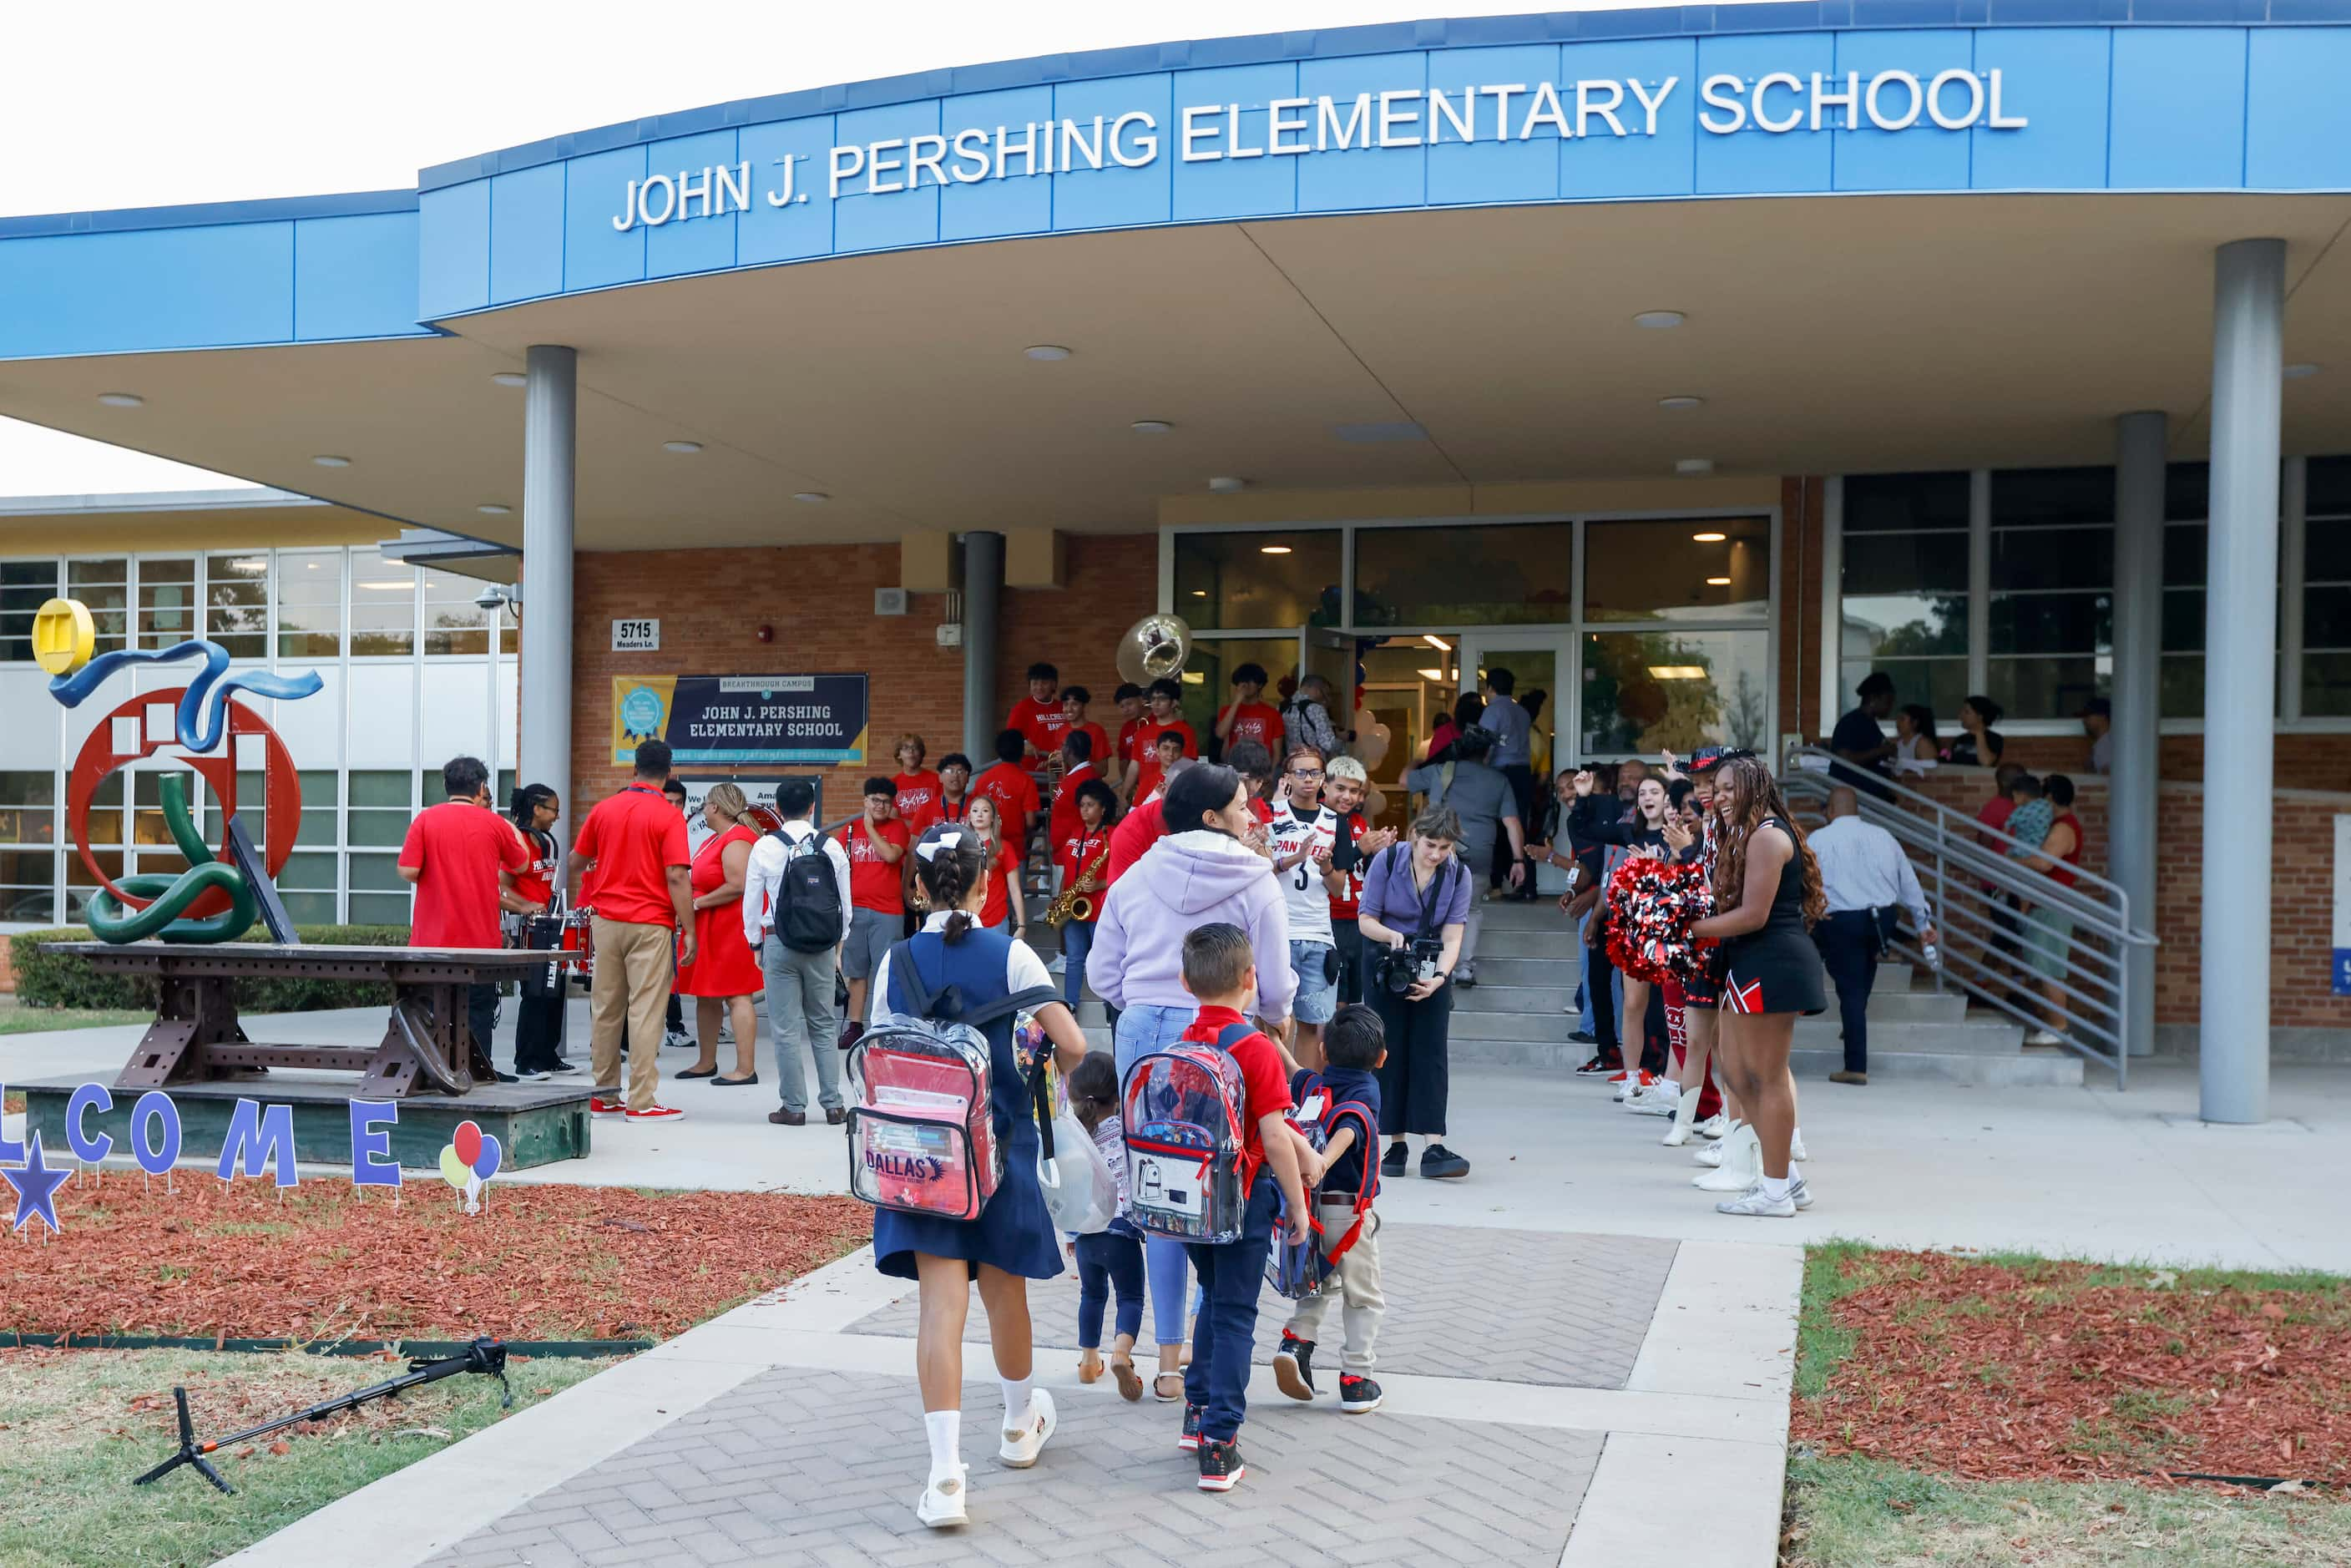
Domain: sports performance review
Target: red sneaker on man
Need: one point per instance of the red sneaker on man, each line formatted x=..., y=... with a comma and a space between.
x=656, y=1114
x=600, y=1106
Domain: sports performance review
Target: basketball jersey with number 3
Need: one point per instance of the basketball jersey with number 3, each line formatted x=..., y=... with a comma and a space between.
x=1302, y=885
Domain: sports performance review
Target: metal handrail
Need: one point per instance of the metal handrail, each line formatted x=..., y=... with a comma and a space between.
x=1956, y=857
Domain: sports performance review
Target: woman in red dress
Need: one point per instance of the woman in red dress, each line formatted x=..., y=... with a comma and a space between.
x=1003, y=873
x=723, y=970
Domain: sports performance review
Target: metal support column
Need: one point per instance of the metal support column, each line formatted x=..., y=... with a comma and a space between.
x=2138, y=671
x=2239, y=678
x=983, y=590
x=550, y=438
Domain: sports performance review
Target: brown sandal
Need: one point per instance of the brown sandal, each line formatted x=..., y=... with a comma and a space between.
x=1089, y=1372
x=1129, y=1386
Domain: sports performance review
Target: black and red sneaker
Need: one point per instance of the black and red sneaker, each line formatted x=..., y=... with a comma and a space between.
x=1599, y=1066
x=1220, y=1465
x=1190, y=1441
x=1358, y=1395
x=1293, y=1366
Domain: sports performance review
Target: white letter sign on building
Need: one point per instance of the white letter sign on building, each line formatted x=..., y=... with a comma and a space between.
x=1778, y=102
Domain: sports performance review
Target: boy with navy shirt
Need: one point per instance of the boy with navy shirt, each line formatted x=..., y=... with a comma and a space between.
x=1276, y=1164
x=1354, y=1046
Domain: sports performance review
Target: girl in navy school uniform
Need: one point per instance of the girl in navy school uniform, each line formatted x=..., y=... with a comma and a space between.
x=1013, y=1240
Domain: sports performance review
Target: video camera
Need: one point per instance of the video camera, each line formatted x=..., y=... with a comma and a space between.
x=1398, y=969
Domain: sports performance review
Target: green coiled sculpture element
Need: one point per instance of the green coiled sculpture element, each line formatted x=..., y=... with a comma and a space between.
x=111, y=920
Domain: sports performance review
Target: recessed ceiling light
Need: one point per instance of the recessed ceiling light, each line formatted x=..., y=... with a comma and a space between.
x=1681, y=401
x=1659, y=319
x=121, y=400
x=1430, y=675
x=1717, y=582
x=1226, y=486
x=2298, y=373
x=1692, y=465
x=1677, y=672
x=1045, y=352
x=682, y=448
x=1436, y=641
x=511, y=378
x=1708, y=539
x=1274, y=550
x=812, y=497
x=329, y=460
x=1151, y=428
x=1199, y=593
x=494, y=508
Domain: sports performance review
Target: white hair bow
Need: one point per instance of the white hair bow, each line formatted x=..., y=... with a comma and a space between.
x=929, y=850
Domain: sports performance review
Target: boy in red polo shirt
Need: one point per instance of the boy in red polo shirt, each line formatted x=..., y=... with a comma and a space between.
x=1014, y=792
x=1245, y=718
x=876, y=844
x=462, y=858
x=1276, y=1166
x=1038, y=717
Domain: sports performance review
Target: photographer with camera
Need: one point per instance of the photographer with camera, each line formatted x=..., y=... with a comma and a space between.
x=1486, y=805
x=1415, y=903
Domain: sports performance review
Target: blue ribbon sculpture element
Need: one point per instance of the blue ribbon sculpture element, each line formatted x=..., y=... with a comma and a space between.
x=204, y=706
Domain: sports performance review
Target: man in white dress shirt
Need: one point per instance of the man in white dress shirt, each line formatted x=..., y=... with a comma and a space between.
x=800, y=976
x=1868, y=880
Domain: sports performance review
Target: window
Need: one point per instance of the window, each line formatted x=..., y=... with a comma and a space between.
x=28, y=840
x=1706, y=568
x=1207, y=678
x=28, y=886
x=167, y=601
x=453, y=621
x=24, y=587
x=1252, y=579
x=307, y=887
x=319, y=803
x=1489, y=575
x=2053, y=603
x=382, y=805
x=105, y=813
x=1654, y=691
x=378, y=895
x=384, y=605
x=80, y=884
x=1905, y=585
x=2326, y=591
x=105, y=587
x=236, y=602
x=310, y=604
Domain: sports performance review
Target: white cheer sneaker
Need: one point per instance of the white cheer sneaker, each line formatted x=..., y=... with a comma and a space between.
x=1741, y=1167
x=1024, y=1443
x=1713, y=1126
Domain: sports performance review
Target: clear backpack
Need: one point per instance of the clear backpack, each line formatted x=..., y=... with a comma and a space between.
x=1182, y=1109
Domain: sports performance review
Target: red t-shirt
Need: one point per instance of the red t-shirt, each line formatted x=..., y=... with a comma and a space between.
x=1140, y=828
x=460, y=848
x=1100, y=757
x=1041, y=724
x=634, y=837
x=1126, y=733
x=999, y=874
x=1260, y=809
x=1076, y=852
x=537, y=880
x=918, y=800
x=1254, y=721
x=875, y=883
x=1065, y=818
x=1348, y=905
x=1147, y=747
x=1014, y=792
x=1265, y=1089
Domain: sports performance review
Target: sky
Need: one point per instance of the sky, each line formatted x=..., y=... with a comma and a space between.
x=150, y=104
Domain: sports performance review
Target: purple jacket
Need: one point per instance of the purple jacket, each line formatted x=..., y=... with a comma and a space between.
x=1188, y=880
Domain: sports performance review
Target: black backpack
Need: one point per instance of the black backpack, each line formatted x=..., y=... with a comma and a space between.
x=808, y=896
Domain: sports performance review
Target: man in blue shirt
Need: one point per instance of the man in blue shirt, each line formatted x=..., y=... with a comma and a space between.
x=1859, y=744
x=1512, y=757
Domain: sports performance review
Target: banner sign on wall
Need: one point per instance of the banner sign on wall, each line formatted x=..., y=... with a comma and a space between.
x=742, y=721
x=2341, y=964
x=759, y=792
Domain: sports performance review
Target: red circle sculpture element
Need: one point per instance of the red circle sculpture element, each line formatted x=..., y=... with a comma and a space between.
x=98, y=760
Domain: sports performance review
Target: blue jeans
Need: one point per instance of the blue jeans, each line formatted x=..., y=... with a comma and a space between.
x=1144, y=1028
x=1583, y=1021
x=1111, y=1260
x=1224, y=1337
x=1077, y=941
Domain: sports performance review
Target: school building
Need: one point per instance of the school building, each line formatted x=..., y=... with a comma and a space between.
x=1691, y=363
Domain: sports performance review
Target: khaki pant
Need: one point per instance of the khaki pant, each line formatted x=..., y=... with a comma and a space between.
x=1359, y=1287
x=630, y=991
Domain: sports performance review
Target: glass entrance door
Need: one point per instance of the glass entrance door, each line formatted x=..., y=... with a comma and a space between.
x=1540, y=665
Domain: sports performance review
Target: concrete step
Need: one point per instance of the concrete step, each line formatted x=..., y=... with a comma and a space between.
x=1541, y=914
x=1496, y=970
x=1551, y=1027
x=1985, y=1036
x=2026, y=1069
x=1892, y=976
x=1489, y=996
x=1912, y=1007
x=1556, y=940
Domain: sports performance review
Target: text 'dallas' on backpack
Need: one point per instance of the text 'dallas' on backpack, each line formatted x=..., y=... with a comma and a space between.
x=1182, y=1110
x=1304, y=1269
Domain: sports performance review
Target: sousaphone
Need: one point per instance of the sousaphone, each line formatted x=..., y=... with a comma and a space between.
x=1153, y=649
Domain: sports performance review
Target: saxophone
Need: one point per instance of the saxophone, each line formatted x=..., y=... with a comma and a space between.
x=1069, y=903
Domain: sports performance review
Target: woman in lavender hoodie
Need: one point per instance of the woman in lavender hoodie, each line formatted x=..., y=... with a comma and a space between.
x=1201, y=872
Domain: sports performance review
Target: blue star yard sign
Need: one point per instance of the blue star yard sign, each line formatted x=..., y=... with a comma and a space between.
x=36, y=1185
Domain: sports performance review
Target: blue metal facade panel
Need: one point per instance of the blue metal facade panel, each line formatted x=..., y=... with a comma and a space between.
x=1751, y=160
x=2064, y=149
x=1492, y=169
x=2177, y=120
x=453, y=267
x=868, y=215
x=1601, y=165
x=355, y=278
x=987, y=208
x=1925, y=156
x=1115, y=197
x=799, y=228
x=706, y=242
x=174, y=288
x=2298, y=110
x=1360, y=177
x=527, y=234
x=595, y=254
x=1247, y=181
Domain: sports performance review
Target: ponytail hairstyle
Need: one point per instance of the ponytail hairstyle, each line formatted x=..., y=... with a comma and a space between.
x=1746, y=794
x=1093, y=1089
x=949, y=863
x=524, y=803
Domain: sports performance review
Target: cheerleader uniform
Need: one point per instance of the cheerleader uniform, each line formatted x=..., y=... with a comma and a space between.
x=1776, y=969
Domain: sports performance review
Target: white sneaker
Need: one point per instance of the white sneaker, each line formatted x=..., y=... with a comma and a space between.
x=941, y=1506
x=1798, y=1193
x=1658, y=1100
x=1021, y=1447
x=2041, y=1037
x=1713, y=1126
x=1755, y=1204
x=1708, y=1154
x=1632, y=1084
x=1796, y=1147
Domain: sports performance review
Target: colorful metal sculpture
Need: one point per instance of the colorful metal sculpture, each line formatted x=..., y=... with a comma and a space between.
x=214, y=900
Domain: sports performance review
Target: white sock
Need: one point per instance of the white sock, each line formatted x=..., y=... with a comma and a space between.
x=945, y=1430
x=1776, y=1188
x=1015, y=1402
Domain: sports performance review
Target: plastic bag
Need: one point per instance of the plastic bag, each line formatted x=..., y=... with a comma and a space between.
x=1080, y=1192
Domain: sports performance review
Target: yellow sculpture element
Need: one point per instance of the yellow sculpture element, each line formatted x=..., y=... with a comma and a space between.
x=64, y=636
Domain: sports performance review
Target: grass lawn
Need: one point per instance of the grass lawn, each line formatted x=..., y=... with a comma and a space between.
x=79, y=1425
x=1981, y=1409
x=17, y=1018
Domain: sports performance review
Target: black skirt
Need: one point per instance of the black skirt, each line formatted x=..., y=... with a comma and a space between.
x=1776, y=970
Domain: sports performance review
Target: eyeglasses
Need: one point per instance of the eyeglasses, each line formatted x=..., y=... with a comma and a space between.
x=1302, y=773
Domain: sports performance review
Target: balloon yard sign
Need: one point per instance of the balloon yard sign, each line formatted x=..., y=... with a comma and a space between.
x=260, y=1139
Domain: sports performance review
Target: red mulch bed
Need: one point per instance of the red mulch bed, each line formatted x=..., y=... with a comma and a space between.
x=537, y=1262
x=2069, y=1371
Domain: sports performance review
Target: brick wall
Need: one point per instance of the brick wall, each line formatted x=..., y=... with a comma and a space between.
x=819, y=599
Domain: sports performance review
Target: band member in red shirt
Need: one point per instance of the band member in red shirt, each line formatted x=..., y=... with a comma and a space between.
x=876, y=843
x=1076, y=854
x=1245, y=718
x=1133, y=715
x=1144, y=774
x=463, y=859
x=1038, y=717
x=1074, y=701
x=955, y=787
x=1001, y=868
x=1077, y=768
x=918, y=803
x=1014, y=792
